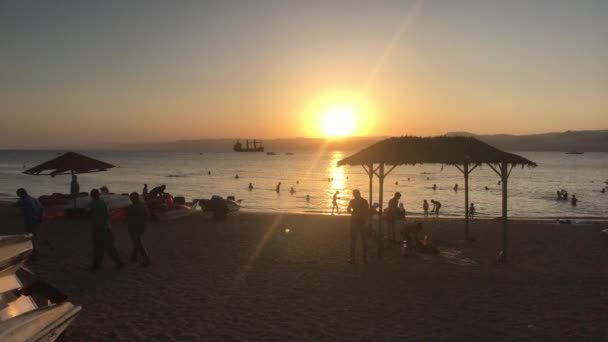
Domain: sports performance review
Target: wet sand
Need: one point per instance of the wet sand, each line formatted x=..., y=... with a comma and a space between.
x=245, y=279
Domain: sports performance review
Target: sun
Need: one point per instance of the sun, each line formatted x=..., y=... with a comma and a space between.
x=339, y=113
x=338, y=121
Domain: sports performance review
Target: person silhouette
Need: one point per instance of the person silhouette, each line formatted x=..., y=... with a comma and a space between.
x=278, y=188
x=250, y=186
x=334, y=203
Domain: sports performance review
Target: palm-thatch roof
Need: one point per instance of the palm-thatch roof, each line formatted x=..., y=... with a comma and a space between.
x=456, y=150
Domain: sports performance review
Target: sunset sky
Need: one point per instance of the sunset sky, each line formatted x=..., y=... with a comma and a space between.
x=80, y=72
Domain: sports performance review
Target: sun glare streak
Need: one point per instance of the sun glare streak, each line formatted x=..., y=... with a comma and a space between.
x=407, y=21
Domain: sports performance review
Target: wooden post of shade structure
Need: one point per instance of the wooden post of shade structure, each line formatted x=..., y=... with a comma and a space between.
x=466, y=201
x=505, y=177
x=380, y=198
x=466, y=171
x=371, y=191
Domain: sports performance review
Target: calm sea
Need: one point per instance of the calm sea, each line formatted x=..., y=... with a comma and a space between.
x=532, y=192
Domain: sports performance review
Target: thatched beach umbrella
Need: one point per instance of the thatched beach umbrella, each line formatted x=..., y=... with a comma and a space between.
x=465, y=153
x=69, y=163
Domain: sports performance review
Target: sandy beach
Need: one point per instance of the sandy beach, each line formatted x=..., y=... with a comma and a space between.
x=245, y=279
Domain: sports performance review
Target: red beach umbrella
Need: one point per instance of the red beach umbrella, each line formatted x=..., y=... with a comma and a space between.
x=69, y=163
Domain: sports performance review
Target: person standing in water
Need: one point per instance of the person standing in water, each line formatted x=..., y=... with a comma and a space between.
x=334, y=203
x=436, y=207
x=278, y=188
x=359, y=210
x=103, y=240
x=137, y=216
x=574, y=200
x=425, y=208
x=472, y=210
x=250, y=186
x=456, y=187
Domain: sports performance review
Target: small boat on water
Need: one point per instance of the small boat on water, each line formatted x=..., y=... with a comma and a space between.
x=30, y=309
x=575, y=152
x=257, y=146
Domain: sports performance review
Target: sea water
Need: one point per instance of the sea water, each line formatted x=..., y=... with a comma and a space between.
x=532, y=191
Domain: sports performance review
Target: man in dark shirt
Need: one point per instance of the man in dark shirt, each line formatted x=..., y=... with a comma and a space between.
x=359, y=209
x=32, y=216
x=137, y=215
x=158, y=191
x=74, y=187
x=392, y=214
x=103, y=240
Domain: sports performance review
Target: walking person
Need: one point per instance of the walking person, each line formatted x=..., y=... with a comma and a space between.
x=359, y=210
x=472, y=210
x=392, y=215
x=334, y=203
x=32, y=217
x=103, y=240
x=137, y=216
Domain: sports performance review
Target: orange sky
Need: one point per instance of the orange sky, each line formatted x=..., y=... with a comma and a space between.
x=118, y=72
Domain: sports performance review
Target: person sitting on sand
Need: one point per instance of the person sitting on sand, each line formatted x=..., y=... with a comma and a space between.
x=436, y=207
x=278, y=188
x=250, y=186
x=74, y=187
x=574, y=200
x=33, y=213
x=334, y=203
x=103, y=240
x=158, y=191
x=392, y=215
x=425, y=208
x=409, y=233
x=359, y=210
x=472, y=210
x=137, y=216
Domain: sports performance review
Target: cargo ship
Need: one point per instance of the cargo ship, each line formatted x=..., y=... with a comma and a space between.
x=257, y=146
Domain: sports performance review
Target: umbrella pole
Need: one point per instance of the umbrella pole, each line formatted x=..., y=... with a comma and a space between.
x=74, y=199
x=380, y=197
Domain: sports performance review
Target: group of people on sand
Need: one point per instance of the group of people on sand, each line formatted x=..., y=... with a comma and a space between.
x=101, y=233
x=562, y=195
x=361, y=211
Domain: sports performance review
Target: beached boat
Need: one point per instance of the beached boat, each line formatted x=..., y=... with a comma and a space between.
x=30, y=309
x=257, y=146
x=58, y=205
x=176, y=211
x=220, y=206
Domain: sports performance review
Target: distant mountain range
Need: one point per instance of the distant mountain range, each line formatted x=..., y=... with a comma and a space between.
x=584, y=141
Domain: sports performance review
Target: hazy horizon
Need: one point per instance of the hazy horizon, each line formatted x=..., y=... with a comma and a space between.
x=114, y=72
